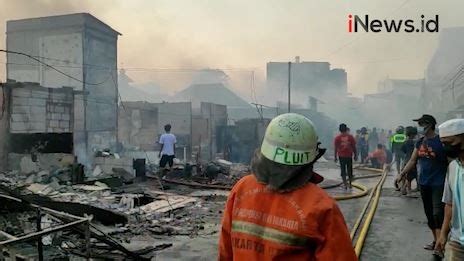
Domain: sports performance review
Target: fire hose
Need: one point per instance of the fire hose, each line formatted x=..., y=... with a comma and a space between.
x=374, y=198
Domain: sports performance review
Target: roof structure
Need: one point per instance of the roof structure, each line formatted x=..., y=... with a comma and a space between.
x=59, y=22
x=215, y=93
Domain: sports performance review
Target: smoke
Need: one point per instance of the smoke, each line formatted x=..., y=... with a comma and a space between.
x=159, y=34
x=21, y=9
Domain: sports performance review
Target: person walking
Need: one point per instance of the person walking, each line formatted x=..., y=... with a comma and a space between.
x=279, y=212
x=432, y=163
x=344, y=152
x=397, y=142
x=363, y=144
x=452, y=136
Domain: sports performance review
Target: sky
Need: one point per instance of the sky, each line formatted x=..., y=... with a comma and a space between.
x=245, y=35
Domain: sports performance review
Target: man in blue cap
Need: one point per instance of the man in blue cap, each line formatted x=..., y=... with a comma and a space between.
x=430, y=156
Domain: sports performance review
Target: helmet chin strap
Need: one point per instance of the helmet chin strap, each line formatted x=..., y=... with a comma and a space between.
x=320, y=153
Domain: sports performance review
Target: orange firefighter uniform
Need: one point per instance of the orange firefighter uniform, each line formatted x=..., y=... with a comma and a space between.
x=303, y=224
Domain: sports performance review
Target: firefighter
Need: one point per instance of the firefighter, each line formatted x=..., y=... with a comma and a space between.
x=279, y=212
x=397, y=142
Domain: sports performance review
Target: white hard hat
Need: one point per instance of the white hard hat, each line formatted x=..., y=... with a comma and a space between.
x=290, y=139
x=451, y=128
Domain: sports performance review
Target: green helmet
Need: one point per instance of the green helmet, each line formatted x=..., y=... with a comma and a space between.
x=290, y=139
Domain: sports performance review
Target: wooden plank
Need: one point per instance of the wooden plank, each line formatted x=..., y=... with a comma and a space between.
x=197, y=185
x=3, y=233
x=48, y=210
x=44, y=232
x=168, y=203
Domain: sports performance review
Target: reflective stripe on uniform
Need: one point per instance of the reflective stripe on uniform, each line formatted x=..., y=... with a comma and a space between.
x=268, y=233
x=399, y=138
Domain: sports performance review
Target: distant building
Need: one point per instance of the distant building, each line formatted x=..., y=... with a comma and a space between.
x=315, y=79
x=199, y=132
x=406, y=87
x=324, y=124
x=84, y=48
x=397, y=102
x=210, y=92
x=141, y=123
x=444, y=91
x=130, y=91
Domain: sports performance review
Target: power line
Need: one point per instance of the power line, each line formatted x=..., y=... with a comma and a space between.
x=187, y=70
x=52, y=67
x=133, y=68
x=253, y=88
x=62, y=66
x=69, y=62
x=145, y=69
x=459, y=67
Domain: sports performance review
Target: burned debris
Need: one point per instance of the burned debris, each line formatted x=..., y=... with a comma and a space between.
x=80, y=173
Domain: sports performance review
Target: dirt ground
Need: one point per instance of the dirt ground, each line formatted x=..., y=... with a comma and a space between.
x=398, y=229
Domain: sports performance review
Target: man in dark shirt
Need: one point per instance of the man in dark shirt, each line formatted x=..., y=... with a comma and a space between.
x=363, y=145
x=430, y=156
x=408, y=148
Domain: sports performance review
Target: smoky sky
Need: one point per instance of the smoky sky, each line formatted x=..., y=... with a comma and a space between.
x=247, y=34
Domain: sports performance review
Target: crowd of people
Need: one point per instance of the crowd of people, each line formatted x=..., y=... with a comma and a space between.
x=279, y=212
x=426, y=154
x=376, y=150
x=370, y=147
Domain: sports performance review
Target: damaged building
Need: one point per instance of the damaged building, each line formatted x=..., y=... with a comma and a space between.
x=81, y=53
x=401, y=97
x=444, y=88
x=210, y=92
x=315, y=79
x=197, y=129
x=141, y=124
x=38, y=121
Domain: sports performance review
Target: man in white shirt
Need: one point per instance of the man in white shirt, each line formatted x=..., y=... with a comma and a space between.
x=452, y=232
x=168, y=147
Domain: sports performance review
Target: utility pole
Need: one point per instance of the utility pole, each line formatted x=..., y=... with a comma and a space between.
x=289, y=82
x=259, y=108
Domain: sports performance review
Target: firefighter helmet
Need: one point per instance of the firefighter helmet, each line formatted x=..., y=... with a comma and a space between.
x=290, y=139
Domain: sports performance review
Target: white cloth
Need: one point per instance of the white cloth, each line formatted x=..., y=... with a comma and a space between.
x=452, y=194
x=168, y=140
x=451, y=128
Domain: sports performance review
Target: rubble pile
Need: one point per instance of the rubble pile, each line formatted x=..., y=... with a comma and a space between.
x=215, y=173
x=97, y=194
x=151, y=214
x=129, y=217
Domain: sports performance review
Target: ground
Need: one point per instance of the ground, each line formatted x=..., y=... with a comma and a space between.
x=398, y=231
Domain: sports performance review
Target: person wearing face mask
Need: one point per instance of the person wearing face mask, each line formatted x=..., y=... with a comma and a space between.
x=432, y=163
x=452, y=137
